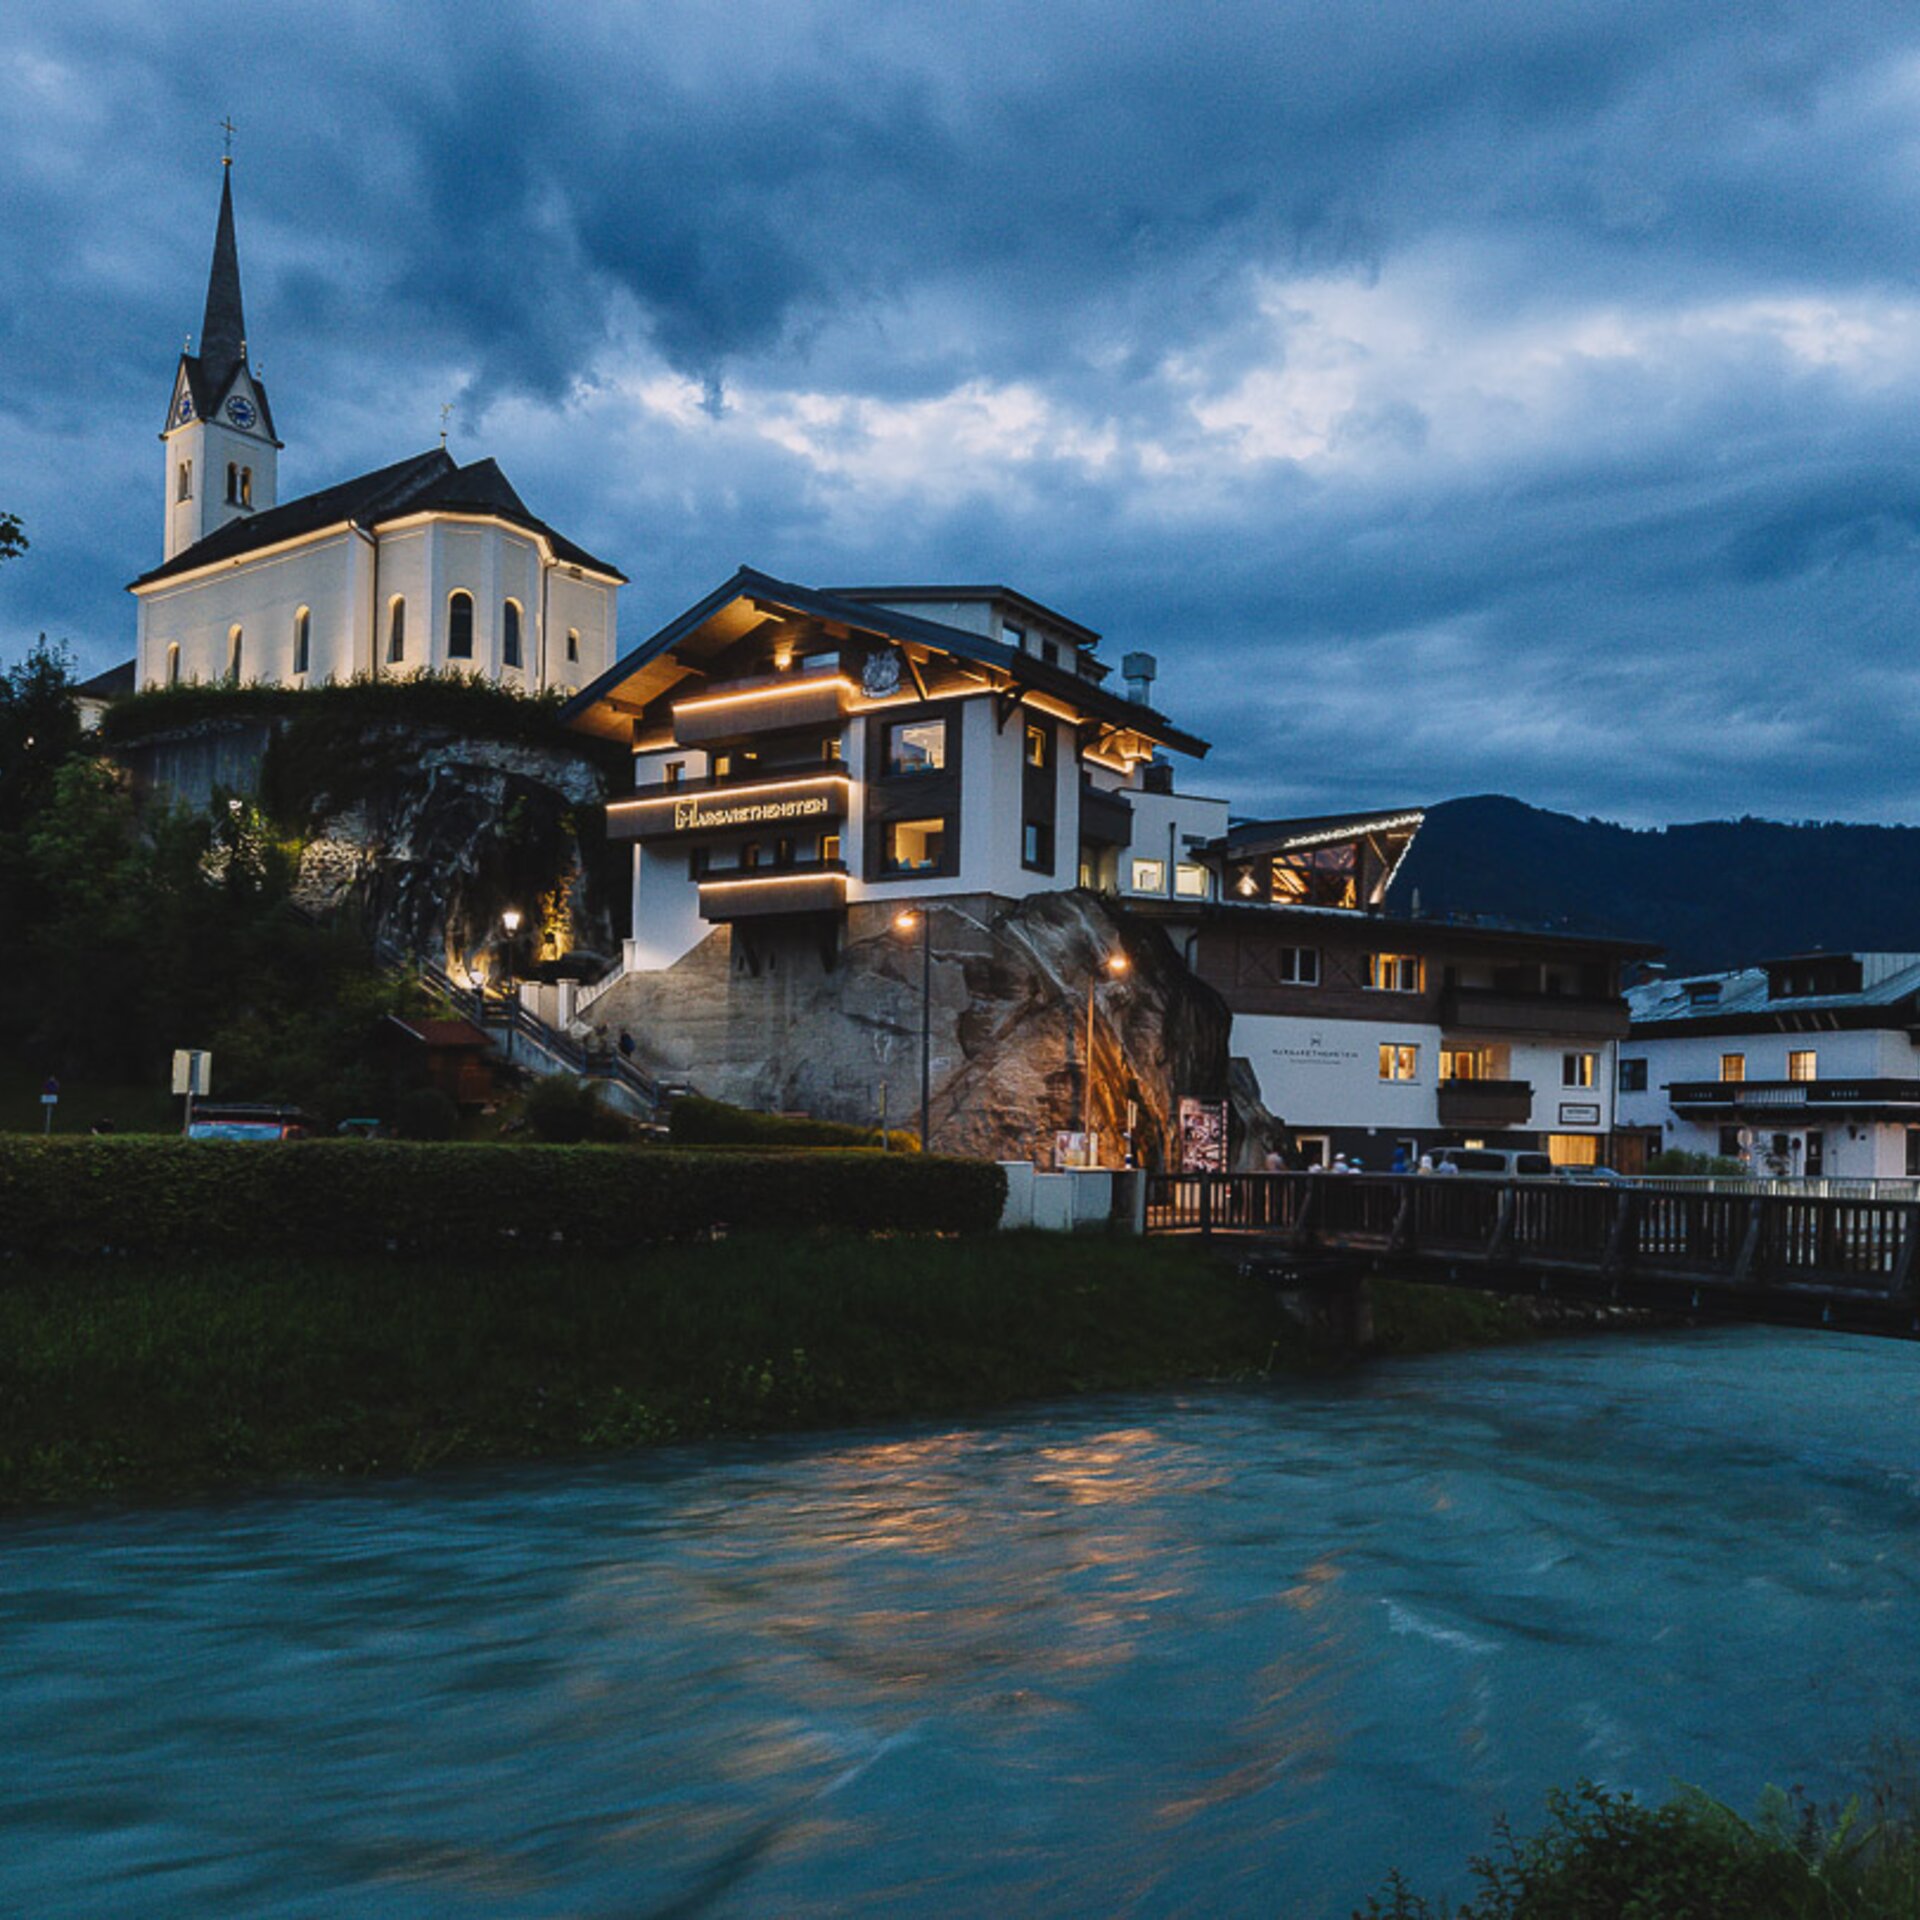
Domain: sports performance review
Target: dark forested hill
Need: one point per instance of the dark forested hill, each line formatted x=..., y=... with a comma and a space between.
x=1720, y=893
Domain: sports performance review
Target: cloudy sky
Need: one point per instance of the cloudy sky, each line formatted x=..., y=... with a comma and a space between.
x=1484, y=397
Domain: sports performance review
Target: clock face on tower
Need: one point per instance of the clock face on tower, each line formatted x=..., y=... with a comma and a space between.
x=184, y=411
x=240, y=411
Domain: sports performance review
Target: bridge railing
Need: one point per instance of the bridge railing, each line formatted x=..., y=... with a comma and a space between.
x=1742, y=1238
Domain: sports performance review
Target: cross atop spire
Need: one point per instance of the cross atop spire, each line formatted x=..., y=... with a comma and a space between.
x=229, y=129
x=223, y=332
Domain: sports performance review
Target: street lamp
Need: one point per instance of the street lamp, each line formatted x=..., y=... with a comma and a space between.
x=904, y=922
x=510, y=920
x=1115, y=964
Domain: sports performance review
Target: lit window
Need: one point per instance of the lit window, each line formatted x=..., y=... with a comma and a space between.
x=235, y=642
x=510, y=634
x=917, y=746
x=1463, y=1063
x=302, y=639
x=1398, y=1062
x=1733, y=1066
x=1190, y=881
x=1149, y=876
x=1633, y=1076
x=1039, y=746
x=186, y=480
x=573, y=643
x=396, y=631
x=460, y=627
x=1036, y=846
x=1316, y=876
x=1395, y=972
x=1576, y=1069
x=1803, y=1065
x=173, y=663
x=1573, y=1149
x=915, y=846
x=829, y=846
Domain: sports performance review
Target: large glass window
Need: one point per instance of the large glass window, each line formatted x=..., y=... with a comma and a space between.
x=460, y=627
x=1464, y=1063
x=510, y=634
x=1395, y=972
x=1399, y=1062
x=915, y=846
x=1318, y=876
x=1190, y=881
x=1149, y=876
x=917, y=746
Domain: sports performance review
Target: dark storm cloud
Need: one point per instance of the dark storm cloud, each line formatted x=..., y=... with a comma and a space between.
x=1481, y=397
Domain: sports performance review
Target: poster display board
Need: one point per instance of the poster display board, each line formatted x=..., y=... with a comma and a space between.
x=1203, y=1135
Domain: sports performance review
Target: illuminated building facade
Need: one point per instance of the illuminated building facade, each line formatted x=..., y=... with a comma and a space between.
x=798, y=750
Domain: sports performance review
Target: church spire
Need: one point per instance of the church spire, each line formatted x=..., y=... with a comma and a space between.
x=223, y=333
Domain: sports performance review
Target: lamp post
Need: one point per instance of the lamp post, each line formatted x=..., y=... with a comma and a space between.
x=904, y=922
x=1115, y=964
x=510, y=920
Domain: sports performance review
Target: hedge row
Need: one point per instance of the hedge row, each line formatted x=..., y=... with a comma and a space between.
x=699, y=1122
x=134, y=1195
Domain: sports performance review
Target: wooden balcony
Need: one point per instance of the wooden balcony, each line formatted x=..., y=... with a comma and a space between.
x=1486, y=1103
x=802, y=886
x=738, y=709
x=1563, y=1015
x=1899, y=1098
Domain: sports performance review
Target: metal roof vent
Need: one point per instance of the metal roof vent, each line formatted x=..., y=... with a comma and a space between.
x=1141, y=670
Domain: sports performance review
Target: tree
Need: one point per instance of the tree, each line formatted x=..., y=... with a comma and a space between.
x=39, y=730
x=12, y=540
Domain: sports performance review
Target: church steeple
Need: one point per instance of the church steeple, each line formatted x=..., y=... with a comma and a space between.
x=223, y=331
x=221, y=447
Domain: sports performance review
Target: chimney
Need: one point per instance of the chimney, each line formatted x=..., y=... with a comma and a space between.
x=1140, y=669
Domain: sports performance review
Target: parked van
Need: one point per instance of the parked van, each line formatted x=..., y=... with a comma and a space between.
x=1504, y=1163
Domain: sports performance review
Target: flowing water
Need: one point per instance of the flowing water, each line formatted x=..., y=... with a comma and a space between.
x=1206, y=1654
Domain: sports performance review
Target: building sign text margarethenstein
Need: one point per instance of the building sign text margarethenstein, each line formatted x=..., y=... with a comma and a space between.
x=690, y=815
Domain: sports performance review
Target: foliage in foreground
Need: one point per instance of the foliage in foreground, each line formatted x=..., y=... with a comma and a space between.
x=698, y=1121
x=125, y=1376
x=1607, y=1856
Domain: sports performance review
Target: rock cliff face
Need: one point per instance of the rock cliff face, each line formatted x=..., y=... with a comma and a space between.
x=427, y=833
x=769, y=1019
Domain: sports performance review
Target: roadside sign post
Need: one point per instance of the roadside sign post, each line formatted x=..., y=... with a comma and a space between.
x=192, y=1074
x=49, y=1099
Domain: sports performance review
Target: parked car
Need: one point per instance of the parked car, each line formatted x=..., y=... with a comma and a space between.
x=1594, y=1177
x=245, y=1120
x=1502, y=1163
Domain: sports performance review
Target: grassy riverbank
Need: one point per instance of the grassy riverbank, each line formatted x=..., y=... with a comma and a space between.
x=124, y=1378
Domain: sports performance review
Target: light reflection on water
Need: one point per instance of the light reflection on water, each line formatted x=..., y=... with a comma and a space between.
x=1216, y=1654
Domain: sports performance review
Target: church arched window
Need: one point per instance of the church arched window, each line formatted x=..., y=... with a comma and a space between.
x=396, y=631
x=246, y=486
x=186, y=481
x=233, y=483
x=235, y=641
x=302, y=639
x=510, y=634
x=573, y=643
x=460, y=627
x=173, y=663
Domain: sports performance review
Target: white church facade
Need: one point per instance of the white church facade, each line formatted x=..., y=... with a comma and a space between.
x=425, y=566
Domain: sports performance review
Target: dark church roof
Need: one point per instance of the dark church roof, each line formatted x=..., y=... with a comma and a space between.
x=110, y=685
x=432, y=482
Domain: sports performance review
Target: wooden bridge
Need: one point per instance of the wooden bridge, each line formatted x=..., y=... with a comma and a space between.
x=1782, y=1259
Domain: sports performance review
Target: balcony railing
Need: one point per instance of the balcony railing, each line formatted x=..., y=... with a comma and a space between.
x=736, y=709
x=1565, y=1015
x=1486, y=1103
x=802, y=886
x=1775, y=1095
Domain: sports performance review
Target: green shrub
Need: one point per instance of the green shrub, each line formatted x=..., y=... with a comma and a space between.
x=1607, y=1856
x=152, y=1195
x=697, y=1121
x=425, y=1113
x=563, y=1111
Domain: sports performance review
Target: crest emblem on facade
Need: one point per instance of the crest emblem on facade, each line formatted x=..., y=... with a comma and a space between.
x=881, y=675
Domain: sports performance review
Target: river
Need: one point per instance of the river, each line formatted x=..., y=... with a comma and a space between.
x=1217, y=1653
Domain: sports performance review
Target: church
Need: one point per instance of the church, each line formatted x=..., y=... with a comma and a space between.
x=425, y=566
